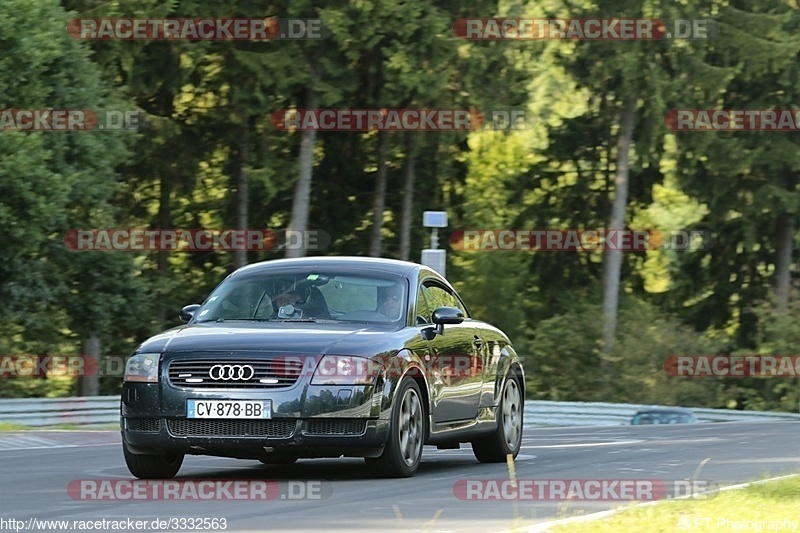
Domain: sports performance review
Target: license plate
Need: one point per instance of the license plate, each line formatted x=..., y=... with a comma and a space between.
x=255, y=409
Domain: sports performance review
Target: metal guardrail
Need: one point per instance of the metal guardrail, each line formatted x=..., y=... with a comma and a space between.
x=42, y=412
x=549, y=413
x=104, y=410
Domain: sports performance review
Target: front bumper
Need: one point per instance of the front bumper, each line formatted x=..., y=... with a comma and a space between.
x=368, y=443
x=307, y=421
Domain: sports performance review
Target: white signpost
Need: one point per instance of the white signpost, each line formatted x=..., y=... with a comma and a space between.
x=433, y=257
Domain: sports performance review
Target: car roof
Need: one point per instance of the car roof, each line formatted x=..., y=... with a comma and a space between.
x=393, y=266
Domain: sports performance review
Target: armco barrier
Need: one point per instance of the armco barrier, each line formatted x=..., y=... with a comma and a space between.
x=42, y=412
x=104, y=410
x=548, y=413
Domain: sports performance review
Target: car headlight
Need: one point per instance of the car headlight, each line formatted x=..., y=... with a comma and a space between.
x=345, y=370
x=142, y=367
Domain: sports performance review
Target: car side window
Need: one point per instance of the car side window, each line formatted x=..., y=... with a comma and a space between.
x=438, y=296
x=423, y=314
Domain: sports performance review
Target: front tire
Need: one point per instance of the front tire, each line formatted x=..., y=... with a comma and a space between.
x=403, y=451
x=507, y=438
x=152, y=466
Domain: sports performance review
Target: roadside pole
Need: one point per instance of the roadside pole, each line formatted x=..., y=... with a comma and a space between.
x=433, y=257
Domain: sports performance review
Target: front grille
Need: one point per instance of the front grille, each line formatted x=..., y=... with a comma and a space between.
x=232, y=428
x=336, y=427
x=267, y=373
x=149, y=425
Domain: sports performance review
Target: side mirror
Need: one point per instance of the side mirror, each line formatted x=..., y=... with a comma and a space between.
x=446, y=315
x=187, y=313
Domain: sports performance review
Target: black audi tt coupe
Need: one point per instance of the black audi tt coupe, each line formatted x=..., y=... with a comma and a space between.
x=323, y=357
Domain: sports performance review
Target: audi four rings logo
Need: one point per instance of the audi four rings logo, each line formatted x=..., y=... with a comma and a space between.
x=232, y=372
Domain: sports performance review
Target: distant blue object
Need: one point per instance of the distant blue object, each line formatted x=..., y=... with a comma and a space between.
x=664, y=416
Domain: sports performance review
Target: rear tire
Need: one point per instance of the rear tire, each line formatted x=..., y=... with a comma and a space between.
x=507, y=438
x=152, y=466
x=403, y=451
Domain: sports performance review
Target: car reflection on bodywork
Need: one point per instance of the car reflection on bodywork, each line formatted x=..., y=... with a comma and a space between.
x=323, y=357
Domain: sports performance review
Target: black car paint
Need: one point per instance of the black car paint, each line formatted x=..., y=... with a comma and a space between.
x=458, y=410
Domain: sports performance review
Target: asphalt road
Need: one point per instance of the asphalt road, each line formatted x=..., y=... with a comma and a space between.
x=39, y=467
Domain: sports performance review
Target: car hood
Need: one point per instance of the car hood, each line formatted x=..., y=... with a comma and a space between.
x=297, y=337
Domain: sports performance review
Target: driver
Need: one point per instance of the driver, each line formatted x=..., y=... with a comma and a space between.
x=297, y=299
x=284, y=293
x=390, y=304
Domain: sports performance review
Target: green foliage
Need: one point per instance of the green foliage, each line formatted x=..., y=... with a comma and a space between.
x=779, y=335
x=209, y=103
x=566, y=353
x=37, y=388
x=51, y=183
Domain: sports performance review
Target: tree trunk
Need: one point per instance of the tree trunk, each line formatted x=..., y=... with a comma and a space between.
x=89, y=385
x=302, y=191
x=164, y=223
x=785, y=251
x=783, y=261
x=613, y=258
x=379, y=200
x=243, y=191
x=408, y=200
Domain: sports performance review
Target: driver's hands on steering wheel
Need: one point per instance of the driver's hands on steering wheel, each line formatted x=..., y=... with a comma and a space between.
x=289, y=298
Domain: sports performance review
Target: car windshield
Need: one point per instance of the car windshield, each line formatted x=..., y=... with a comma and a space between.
x=307, y=296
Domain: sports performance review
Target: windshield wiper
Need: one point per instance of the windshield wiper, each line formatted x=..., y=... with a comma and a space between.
x=218, y=320
x=309, y=320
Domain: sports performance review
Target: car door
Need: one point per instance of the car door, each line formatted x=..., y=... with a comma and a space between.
x=455, y=371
